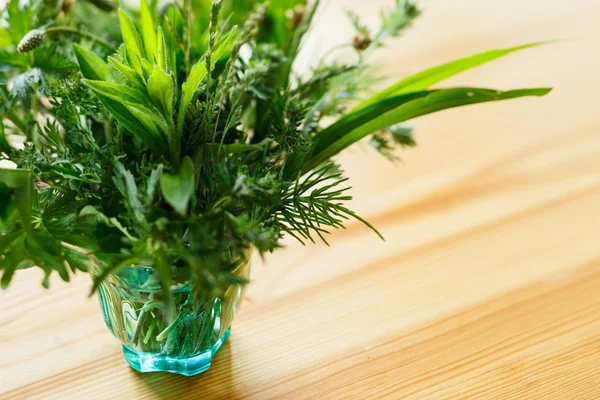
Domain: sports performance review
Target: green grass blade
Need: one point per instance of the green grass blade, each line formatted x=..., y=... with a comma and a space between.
x=330, y=145
x=360, y=117
x=148, y=32
x=425, y=79
x=133, y=43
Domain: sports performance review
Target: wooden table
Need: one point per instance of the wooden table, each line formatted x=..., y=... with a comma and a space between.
x=488, y=285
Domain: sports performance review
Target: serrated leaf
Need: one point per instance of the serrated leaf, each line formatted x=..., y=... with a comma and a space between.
x=27, y=84
x=148, y=33
x=425, y=79
x=125, y=182
x=91, y=65
x=133, y=43
x=19, y=19
x=48, y=59
x=179, y=189
x=76, y=259
x=153, y=183
x=10, y=265
x=198, y=73
x=328, y=145
x=161, y=91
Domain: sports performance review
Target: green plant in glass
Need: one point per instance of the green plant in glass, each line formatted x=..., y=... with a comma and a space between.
x=158, y=157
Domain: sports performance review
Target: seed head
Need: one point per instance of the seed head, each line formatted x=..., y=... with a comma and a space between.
x=31, y=41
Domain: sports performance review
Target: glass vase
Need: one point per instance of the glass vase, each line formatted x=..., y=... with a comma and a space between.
x=153, y=341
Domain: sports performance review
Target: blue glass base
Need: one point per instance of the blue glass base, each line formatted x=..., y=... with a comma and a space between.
x=150, y=362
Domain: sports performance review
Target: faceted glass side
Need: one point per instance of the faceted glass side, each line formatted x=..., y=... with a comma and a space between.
x=132, y=307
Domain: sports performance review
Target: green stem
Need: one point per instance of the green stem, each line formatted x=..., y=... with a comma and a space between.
x=108, y=126
x=89, y=35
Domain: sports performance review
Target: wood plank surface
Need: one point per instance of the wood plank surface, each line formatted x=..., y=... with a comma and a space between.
x=488, y=283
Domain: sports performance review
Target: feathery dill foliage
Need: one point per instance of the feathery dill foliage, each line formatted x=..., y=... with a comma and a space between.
x=162, y=145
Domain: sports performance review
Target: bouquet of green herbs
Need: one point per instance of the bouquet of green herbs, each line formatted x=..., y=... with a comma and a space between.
x=185, y=138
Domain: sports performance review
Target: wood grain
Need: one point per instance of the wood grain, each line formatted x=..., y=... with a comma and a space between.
x=487, y=284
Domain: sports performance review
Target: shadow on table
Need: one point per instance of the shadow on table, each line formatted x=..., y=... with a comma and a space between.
x=216, y=383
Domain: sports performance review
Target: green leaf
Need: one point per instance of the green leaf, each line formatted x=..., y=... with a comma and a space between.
x=161, y=91
x=13, y=178
x=152, y=184
x=19, y=19
x=120, y=261
x=6, y=208
x=125, y=182
x=10, y=265
x=149, y=119
x=5, y=147
x=147, y=68
x=134, y=100
x=237, y=148
x=91, y=65
x=357, y=118
x=76, y=259
x=48, y=59
x=198, y=73
x=27, y=84
x=13, y=59
x=425, y=79
x=24, y=203
x=161, y=56
x=5, y=38
x=179, y=189
x=148, y=33
x=129, y=73
x=133, y=43
x=22, y=182
x=328, y=145
x=122, y=93
x=125, y=117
